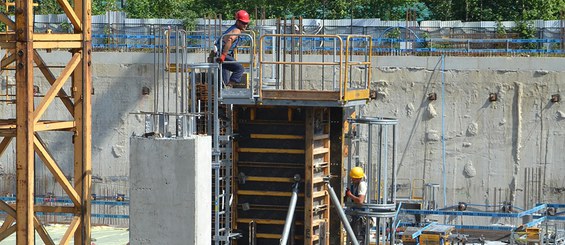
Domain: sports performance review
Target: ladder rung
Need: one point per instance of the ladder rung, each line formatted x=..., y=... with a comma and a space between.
x=317, y=222
x=320, y=151
x=318, y=180
x=319, y=194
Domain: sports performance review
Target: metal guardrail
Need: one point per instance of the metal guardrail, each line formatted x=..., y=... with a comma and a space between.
x=382, y=46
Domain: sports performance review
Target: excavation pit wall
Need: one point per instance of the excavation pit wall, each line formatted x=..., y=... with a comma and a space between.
x=507, y=150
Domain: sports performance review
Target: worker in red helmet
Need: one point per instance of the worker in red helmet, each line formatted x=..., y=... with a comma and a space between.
x=226, y=47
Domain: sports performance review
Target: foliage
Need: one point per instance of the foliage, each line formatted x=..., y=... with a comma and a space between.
x=465, y=10
x=483, y=10
x=393, y=33
x=500, y=29
x=98, y=7
x=525, y=29
x=65, y=27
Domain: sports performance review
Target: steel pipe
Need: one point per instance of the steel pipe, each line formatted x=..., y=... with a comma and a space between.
x=290, y=214
x=341, y=213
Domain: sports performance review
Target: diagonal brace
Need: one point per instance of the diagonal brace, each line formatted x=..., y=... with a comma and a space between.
x=55, y=170
x=56, y=87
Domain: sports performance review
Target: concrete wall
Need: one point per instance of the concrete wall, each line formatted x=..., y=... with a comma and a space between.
x=170, y=183
x=488, y=144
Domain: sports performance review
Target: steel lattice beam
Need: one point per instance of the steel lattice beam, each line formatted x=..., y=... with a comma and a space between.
x=22, y=45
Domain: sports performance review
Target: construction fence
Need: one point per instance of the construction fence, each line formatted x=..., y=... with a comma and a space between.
x=113, y=31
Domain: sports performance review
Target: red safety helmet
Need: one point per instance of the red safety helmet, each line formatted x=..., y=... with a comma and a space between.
x=242, y=16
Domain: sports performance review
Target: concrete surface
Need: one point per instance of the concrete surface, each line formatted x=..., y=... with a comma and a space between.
x=101, y=235
x=170, y=183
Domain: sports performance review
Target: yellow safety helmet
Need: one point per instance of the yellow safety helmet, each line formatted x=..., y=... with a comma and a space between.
x=356, y=173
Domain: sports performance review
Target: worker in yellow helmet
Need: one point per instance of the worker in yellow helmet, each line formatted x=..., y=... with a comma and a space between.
x=358, y=188
x=356, y=192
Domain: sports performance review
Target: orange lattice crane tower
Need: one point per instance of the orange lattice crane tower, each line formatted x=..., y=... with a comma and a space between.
x=24, y=123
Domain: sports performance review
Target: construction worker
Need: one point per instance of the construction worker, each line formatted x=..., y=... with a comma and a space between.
x=356, y=192
x=227, y=45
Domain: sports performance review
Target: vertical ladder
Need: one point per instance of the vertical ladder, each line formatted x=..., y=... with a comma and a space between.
x=353, y=135
x=317, y=166
x=220, y=127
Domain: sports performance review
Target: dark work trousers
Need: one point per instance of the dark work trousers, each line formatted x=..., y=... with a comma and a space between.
x=358, y=225
x=235, y=68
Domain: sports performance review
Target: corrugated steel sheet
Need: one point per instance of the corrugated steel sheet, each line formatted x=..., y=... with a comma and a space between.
x=430, y=24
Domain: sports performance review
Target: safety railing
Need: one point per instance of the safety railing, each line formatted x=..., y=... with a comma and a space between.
x=340, y=64
x=358, y=55
x=382, y=46
x=246, y=60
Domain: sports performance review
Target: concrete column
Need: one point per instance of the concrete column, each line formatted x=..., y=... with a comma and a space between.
x=170, y=188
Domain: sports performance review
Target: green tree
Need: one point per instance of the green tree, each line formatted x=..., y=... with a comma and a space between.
x=466, y=10
x=98, y=7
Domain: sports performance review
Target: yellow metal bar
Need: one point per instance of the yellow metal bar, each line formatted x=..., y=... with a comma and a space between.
x=356, y=94
x=51, y=209
x=318, y=194
x=71, y=230
x=310, y=121
x=42, y=232
x=262, y=221
x=5, y=45
x=415, y=187
x=266, y=193
x=11, y=211
x=9, y=59
x=55, y=126
x=56, y=171
x=276, y=136
x=71, y=14
x=271, y=150
x=45, y=126
x=318, y=151
x=8, y=126
x=51, y=79
x=52, y=37
x=56, y=209
x=10, y=4
x=317, y=180
x=302, y=95
x=8, y=232
x=6, y=20
x=57, y=45
x=7, y=223
x=4, y=144
x=82, y=81
x=300, y=63
x=57, y=85
x=25, y=168
x=269, y=179
x=275, y=236
x=8, y=37
x=268, y=236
